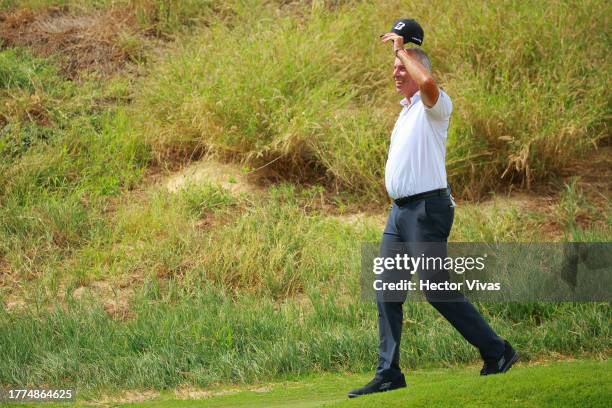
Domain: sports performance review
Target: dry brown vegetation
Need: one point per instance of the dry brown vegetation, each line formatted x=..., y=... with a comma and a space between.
x=594, y=171
x=103, y=42
x=591, y=175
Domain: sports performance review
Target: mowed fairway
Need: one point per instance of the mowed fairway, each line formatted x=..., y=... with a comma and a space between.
x=561, y=384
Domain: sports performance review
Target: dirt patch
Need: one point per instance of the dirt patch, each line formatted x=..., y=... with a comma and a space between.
x=115, y=297
x=229, y=176
x=126, y=398
x=594, y=169
x=104, y=42
x=590, y=182
x=192, y=394
x=15, y=304
x=10, y=286
x=195, y=393
x=6, y=275
x=594, y=175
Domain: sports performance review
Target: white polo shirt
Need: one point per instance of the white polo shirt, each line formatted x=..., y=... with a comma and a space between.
x=417, y=152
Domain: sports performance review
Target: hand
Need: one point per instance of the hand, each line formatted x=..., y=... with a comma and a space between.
x=398, y=40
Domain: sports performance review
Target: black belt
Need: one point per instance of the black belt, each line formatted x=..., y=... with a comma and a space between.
x=433, y=193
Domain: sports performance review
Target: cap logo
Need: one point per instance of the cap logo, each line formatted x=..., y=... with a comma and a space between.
x=399, y=25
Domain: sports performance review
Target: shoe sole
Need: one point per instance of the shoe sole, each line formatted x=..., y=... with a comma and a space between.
x=513, y=360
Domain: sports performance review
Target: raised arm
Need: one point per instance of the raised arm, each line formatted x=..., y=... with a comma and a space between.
x=416, y=70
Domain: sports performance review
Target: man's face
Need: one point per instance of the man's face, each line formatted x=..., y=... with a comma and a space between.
x=404, y=83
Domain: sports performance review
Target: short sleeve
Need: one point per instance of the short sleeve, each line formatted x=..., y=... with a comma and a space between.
x=443, y=108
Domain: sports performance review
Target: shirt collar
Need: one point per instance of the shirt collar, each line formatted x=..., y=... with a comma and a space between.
x=415, y=98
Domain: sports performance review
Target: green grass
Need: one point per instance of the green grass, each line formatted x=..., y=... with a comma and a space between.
x=241, y=288
x=64, y=148
x=256, y=287
x=555, y=384
x=192, y=332
x=571, y=384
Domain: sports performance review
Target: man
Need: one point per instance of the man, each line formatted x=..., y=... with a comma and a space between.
x=422, y=212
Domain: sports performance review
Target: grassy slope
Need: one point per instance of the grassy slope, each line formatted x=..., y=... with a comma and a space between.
x=201, y=315
x=519, y=109
x=70, y=153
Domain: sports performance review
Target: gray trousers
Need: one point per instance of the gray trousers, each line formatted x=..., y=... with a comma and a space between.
x=427, y=220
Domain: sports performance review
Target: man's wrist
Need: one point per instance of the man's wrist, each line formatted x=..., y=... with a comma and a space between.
x=397, y=51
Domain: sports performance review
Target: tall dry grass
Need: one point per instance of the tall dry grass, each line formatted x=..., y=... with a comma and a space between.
x=528, y=81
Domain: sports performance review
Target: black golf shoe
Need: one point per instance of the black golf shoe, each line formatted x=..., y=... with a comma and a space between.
x=379, y=384
x=502, y=364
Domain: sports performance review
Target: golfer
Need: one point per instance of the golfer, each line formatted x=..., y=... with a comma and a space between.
x=423, y=211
